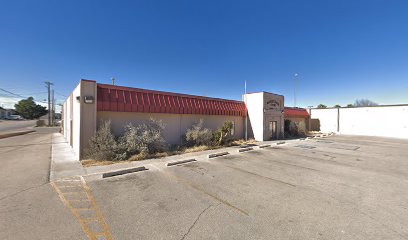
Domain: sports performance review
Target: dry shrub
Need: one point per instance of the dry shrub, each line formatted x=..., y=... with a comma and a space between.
x=103, y=145
x=197, y=135
x=144, y=138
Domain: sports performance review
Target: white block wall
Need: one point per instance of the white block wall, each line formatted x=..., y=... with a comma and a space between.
x=327, y=117
x=384, y=121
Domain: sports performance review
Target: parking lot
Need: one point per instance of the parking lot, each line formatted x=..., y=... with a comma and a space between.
x=340, y=187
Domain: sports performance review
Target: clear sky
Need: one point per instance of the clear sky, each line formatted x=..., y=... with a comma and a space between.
x=342, y=50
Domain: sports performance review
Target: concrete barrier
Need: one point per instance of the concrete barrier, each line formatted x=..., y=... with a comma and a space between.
x=217, y=154
x=124, y=171
x=264, y=146
x=245, y=149
x=180, y=162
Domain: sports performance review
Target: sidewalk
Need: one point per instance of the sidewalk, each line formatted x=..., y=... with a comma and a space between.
x=64, y=164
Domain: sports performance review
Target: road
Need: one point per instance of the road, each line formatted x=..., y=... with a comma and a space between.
x=10, y=125
x=29, y=206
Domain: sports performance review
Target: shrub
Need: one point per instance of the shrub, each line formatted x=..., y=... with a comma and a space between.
x=144, y=138
x=223, y=134
x=198, y=136
x=103, y=145
x=295, y=129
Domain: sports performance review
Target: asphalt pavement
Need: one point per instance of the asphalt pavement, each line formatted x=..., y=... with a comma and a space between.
x=340, y=187
x=332, y=188
x=29, y=206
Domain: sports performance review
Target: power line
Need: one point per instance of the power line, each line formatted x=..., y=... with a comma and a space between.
x=14, y=94
x=62, y=95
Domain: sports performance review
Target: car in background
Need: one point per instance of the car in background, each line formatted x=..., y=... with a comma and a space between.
x=15, y=117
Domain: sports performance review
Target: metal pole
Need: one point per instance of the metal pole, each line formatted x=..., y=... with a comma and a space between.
x=246, y=117
x=53, y=108
x=294, y=89
x=48, y=86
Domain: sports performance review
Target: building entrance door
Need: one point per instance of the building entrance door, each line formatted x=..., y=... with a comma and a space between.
x=273, y=130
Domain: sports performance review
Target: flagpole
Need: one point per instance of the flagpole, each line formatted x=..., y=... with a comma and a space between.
x=246, y=117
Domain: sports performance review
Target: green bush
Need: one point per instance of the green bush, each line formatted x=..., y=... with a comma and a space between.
x=223, y=134
x=197, y=135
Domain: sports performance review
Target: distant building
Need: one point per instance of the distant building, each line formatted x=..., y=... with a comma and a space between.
x=6, y=113
x=91, y=103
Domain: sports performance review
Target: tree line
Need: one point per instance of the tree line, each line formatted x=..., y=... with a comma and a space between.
x=357, y=103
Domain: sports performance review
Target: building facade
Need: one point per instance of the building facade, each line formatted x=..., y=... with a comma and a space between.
x=259, y=115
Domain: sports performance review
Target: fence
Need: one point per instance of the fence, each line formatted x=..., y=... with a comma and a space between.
x=383, y=121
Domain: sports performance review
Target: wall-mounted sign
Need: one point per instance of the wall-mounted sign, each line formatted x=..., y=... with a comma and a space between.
x=272, y=105
x=89, y=99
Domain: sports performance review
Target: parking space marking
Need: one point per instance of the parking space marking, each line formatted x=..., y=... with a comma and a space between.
x=258, y=175
x=201, y=190
x=88, y=215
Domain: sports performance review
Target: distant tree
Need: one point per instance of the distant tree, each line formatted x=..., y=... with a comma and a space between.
x=337, y=106
x=350, y=105
x=28, y=109
x=364, y=103
x=321, y=106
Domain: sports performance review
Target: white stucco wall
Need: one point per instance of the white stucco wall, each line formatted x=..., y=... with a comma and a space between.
x=254, y=103
x=76, y=120
x=383, y=121
x=82, y=115
x=67, y=118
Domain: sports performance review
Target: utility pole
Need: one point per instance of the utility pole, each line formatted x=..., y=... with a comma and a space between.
x=294, y=89
x=53, y=108
x=48, y=86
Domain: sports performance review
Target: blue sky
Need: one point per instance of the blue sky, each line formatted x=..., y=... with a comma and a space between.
x=342, y=50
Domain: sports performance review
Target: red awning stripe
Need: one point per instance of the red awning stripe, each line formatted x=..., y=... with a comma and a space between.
x=296, y=112
x=122, y=99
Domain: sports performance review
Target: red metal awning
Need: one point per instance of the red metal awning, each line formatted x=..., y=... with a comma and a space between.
x=124, y=99
x=296, y=112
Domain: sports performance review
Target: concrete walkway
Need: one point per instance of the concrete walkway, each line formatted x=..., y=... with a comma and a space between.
x=64, y=163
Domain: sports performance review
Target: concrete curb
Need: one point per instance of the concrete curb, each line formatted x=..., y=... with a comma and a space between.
x=124, y=171
x=217, y=154
x=12, y=134
x=245, y=149
x=280, y=143
x=181, y=162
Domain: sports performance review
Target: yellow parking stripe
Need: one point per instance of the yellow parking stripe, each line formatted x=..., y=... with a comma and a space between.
x=84, y=194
